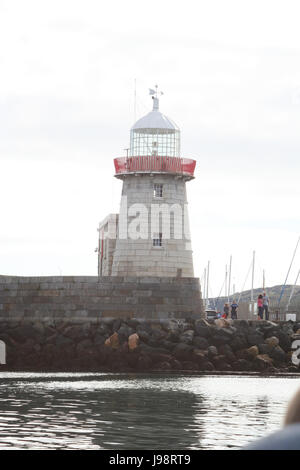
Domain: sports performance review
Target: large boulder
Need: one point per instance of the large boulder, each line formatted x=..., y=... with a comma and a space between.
x=202, y=328
x=113, y=341
x=220, y=363
x=226, y=350
x=187, y=337
x=133, y=341
x=222, y=323
x=124, y=331
x=200, y=342
x=272, y=341
x=262, y=362
x=278, y=355
x=238, y=342
x=285, y=341
x=183, y=351
x=255, y=338
x=222, y=336
x=253, y=351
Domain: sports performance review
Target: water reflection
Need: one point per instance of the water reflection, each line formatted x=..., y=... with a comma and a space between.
x=118, y=411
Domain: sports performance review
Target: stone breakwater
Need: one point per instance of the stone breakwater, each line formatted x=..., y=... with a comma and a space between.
x=115, y=345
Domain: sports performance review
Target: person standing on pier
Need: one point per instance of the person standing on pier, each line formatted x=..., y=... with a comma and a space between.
x=260, y=304
x=226, y=311
x=266, y=306
x=234, y=307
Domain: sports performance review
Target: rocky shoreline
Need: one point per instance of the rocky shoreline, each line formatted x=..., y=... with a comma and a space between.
x=132, y=345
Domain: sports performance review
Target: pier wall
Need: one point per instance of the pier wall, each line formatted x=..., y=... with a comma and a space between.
x=80, y=298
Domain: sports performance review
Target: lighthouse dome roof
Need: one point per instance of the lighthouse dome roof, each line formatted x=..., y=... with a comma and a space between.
x=155, y=120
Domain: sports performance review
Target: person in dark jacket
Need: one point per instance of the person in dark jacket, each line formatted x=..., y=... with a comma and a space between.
x=234, y=307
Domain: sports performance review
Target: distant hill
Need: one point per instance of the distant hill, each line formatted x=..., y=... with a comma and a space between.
x=272, y=292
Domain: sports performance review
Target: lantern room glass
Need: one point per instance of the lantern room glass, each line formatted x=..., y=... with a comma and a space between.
x=155, y=142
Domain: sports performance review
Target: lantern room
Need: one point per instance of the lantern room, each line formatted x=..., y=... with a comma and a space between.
x=155, y=134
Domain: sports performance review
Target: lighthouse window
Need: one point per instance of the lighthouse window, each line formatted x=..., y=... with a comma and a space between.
x=158, y=190
x=157, y=241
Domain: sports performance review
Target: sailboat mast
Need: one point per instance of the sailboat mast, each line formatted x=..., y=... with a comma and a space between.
x=207, y=282
x=284, y=285
x=252, y=285
x=229, y=279
x=292, y=292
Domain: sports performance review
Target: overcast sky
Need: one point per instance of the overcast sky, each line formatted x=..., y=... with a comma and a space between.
x=230, y=72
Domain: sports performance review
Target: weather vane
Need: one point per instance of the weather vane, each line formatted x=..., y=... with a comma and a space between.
x=155, y=92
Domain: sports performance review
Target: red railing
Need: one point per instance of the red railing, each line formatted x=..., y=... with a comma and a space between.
x=156, y=164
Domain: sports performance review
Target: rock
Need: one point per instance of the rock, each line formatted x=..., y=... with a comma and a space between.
x=264, y=348
x=125, y=331
x=242, y=365
x=222, y=336
x=172, y=326
x=203, y=330
x=288, y=328
x=175, y=364
x=187, y=337
x=220, y=362
x=146, y=349
x=222, y=323
x=61, y=340
x=157, y=332
x=285, y=341
x=76, y=332
x=113, y=341
x=182, y=351
x=253, y=351
x=239, y=342
x=173, y=336
x=262, y=362
x=272, y=342
x=226, y=350
x=212, y=352
x=254, y=339
x=199, y=356
x=206, y=366
x=278, y=354
x=169, y=345
x=116, y=324
x=144, y=334
x=132, y=323
x=21, y=333
x=144, y=363
x=133, y=341
x=158, y=358
x=163, y=366
x=189, y=365
x=99, y=339
x=200, y=342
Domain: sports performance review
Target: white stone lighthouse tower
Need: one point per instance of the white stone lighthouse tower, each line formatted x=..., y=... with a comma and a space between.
x=153, y=237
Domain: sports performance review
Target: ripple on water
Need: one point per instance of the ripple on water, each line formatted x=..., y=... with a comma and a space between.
x=120, y=411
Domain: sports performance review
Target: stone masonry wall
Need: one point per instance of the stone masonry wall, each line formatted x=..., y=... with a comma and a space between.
x=138, y=257
x=88, y=298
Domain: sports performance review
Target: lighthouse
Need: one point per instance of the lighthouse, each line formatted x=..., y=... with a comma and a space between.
x=151, y=235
